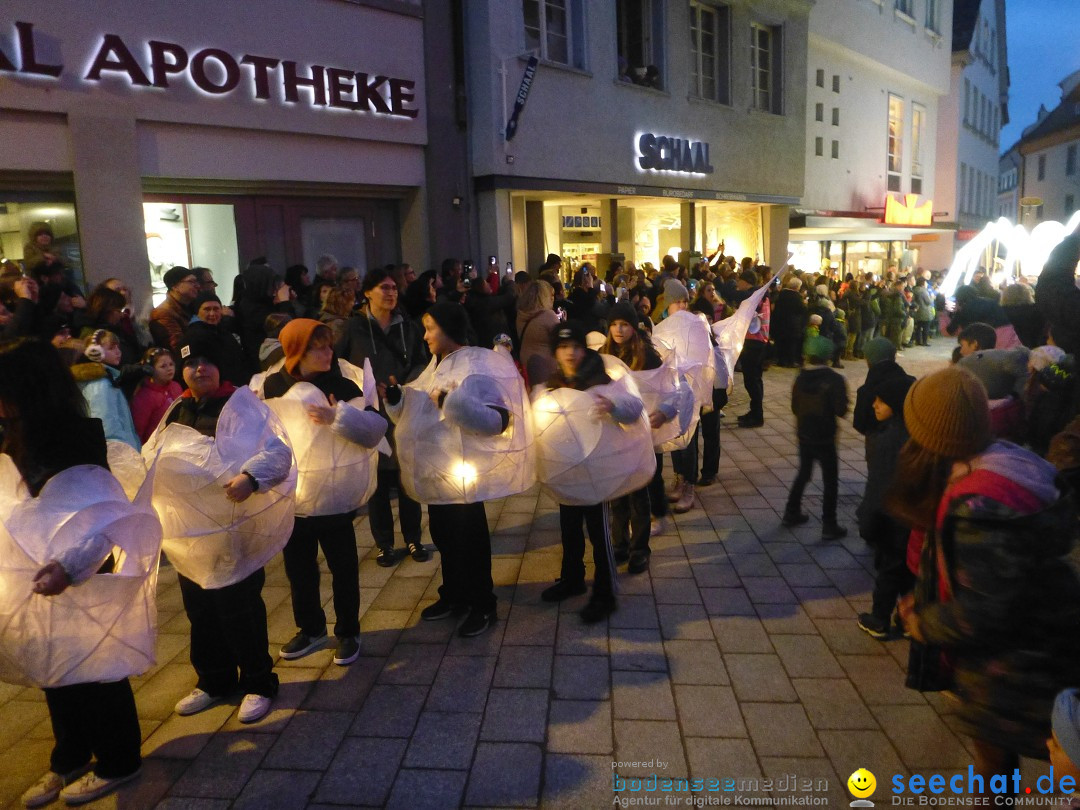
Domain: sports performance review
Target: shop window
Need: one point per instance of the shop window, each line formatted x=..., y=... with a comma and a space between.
x=710, y=47
x=932, y=16
x=895, y=158
x=836, y=116
x=18, y=219
x=819, y=146
x=967, y=101
x=820, y=78
x=835, y=83
x=819, y=112
x=1042, y=167
x=906, y=7
x=1070, y=160
x=640, y=31
x=191, y=235
x=766, y=68
x=918, y=137
x=836, y=150
x=555, y=29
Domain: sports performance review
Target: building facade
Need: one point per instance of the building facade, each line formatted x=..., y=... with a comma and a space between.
x=648, y=127
x=1008, y=191
x=198, y=136
x=968, y=135
x=1050, y=151
x=877, y=73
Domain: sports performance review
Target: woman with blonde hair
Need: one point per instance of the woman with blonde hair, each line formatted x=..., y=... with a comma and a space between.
x=536, y=321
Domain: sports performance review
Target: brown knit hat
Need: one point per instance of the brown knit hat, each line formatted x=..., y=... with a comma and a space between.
x=948, y=413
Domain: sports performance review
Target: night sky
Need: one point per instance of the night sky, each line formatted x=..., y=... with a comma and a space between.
x=1044, y=48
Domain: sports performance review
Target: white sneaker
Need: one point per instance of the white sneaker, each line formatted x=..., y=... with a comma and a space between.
x=658, y=526
x=196, y=702
x=92, y=787
x=253, y=707
x=44, y=791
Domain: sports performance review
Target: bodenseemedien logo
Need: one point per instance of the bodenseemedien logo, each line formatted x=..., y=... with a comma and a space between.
x=862, y=785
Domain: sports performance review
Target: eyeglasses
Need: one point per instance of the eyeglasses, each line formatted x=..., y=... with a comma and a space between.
x=388, y=288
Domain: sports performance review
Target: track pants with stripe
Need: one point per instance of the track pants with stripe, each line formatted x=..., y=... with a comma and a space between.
x=573, y=520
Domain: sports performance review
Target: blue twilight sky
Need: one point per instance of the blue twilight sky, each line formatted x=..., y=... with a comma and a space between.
x=1044, y=48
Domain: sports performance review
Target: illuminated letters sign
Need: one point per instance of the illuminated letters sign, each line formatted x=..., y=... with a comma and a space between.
x=219, y=73
x=908, y=212
x=666, y=154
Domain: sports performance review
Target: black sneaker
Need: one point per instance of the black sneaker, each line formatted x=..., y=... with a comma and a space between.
x=638, y=564
x=621, y=555
x=875, y=626
x=477, y=622
x=348, y=650
x=795, y=520
x=833, y=531
x=418, y=552
x=563, y=590
x=387, y=558
x=598, y=609
x=707, y=481
x=300, y=645
x=747, y=421
x=440, y=609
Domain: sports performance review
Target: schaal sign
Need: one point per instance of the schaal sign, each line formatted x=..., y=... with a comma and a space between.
x=217, y=72
x=666, y=154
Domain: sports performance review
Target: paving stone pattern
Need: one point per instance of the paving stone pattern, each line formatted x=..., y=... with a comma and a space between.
x=737, y=655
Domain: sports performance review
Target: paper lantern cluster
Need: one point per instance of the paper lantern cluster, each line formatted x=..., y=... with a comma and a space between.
x=687, y=334
x=583, y=456
x=100, y=630
x=335, y=475
x=211, y=540
x=441, y=463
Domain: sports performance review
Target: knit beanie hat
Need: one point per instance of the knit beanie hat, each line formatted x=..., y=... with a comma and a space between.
x=203, y=297
x=817, y=347
x=452, y=320
x=878, y=350
x=569, y=332
x=948, y=413
x=675, y=291
x=893, y=391
x=1065, y=720
x=175, y=275
x=295, y=337
x=198, y=344
x=624, y=311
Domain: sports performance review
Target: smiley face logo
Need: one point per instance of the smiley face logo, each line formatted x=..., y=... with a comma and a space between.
x=861, y=783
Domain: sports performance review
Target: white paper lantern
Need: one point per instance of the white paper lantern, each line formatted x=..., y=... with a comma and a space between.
x=335, y=475
x=657, y=386
x=584, y=457
x=688, y=334
x=443, y=464
x=211, y=540
x=103, y=629
x=127, y=465
x=730, y=335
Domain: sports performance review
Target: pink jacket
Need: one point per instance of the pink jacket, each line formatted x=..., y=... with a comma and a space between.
x=149, y=405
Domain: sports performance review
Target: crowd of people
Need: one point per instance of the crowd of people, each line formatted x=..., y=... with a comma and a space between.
x=388, y=384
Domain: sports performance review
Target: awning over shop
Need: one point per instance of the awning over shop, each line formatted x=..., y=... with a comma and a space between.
x=853, y=228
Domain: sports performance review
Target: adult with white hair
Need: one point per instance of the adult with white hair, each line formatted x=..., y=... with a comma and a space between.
x=789, y=323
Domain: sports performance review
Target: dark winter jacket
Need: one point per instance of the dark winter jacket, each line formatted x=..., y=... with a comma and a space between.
x=789, y=315
x=996, y=592
x=1058, y=297
x=79, y=442
x=818, y=397
x=862, y=418
x=971, y=308
x=882, y=450
x=590, y=372
x=1028, y=322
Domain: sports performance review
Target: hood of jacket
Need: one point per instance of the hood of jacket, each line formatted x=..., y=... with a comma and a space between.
x=1035, y=474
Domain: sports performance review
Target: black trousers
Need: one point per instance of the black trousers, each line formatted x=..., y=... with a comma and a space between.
x=921, y=336
x=460, y=533
x=710, y=434
x=334, y=533
x=788, y=349
x=892, y=577
x=228, y=633
x=825, y=455
x=95, y=720
x=753, y=367
x=657, y=499
x=381, y=518
x=630, y=517
x=571, y=522
x=685, y=461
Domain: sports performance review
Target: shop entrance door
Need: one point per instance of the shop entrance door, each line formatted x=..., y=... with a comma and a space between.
x=344, y=238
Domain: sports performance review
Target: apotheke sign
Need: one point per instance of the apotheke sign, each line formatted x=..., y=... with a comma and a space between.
x=666, y=154
x=218, y=73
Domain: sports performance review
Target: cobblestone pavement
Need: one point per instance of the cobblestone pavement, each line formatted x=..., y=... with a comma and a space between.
x=737, y=655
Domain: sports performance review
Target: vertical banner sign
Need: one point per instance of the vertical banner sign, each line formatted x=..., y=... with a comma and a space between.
x=522, y=96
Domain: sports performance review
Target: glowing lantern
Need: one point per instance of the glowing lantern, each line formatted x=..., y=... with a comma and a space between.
x=585, y=457
x=211, y=540
x=101, y=630
x=657, y=386
x=127, y=465
x=730, y=335
x=442, y=462
x=687, y=334
x=335, y=475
